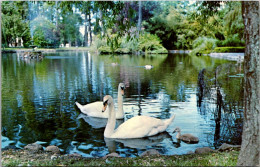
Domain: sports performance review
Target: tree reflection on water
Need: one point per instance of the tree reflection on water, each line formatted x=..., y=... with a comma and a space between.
x=220, y=97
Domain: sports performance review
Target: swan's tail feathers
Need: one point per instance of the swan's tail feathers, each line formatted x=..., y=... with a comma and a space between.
x=79, y=105
x=169, y=121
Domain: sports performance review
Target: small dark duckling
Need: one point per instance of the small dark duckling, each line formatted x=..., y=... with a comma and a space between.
x=187, y=138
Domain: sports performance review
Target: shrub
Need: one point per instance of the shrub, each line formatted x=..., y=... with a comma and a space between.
x=150, y=44
x=146, y=42
x=44, y=33
x=39, y=38
x=232, y=41
x=203, y=45
x=97, y=43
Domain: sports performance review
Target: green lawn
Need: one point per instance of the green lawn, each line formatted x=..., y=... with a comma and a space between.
x=23, y=158
x=229, y=49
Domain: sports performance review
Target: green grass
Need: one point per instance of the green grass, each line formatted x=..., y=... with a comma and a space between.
x=15, y=158
x=229, y=49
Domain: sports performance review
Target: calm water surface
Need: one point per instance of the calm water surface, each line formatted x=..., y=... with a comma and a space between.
x=38, y=100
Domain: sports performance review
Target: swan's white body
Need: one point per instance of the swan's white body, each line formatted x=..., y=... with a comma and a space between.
x=148, y=67
x=136, y=127
x=114, y=64
x=95, y=109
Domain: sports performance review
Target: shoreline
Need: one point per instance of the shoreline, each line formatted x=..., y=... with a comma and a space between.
x=24, y=157
x=227, y=56
x=9, y=50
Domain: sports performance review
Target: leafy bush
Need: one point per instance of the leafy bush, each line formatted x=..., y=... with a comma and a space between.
x=97, y=43
x=146, y=43
x=203, y=45
x=232, y=41
x=44, y=33
x=39, y=39
x=149, y=43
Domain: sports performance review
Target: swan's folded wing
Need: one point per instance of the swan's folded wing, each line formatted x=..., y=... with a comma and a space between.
x=95, y=110
x=138, y=127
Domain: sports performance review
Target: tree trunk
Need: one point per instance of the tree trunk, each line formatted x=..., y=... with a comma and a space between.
x=139, y=16
x=86, y=31
x=89, y=29
x=250, y=149
x=101, y=23
x=56, y=14
x=76, y=40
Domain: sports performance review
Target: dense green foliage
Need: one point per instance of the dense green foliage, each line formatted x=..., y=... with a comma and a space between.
x=44, y=33
x=147, y=43
x=13, y=23
x=203, y=45
x=182, y=25
x=174, y=24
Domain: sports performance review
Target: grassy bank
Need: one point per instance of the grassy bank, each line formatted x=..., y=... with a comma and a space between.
x=24, y=158
x=229, y=50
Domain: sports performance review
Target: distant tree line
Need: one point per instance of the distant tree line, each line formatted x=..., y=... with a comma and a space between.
x=178, y=24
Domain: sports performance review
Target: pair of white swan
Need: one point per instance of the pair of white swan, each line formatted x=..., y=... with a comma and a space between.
x=95, y=109
x=136, y=127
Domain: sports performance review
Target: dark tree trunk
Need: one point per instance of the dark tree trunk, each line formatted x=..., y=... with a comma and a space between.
x=86, y=31
x=249, y=154
x=56, y=15
x=201, y=87
x=101, y=23
x=89, y=29
x=139, y=16
x=76, y=40
x=217, y=116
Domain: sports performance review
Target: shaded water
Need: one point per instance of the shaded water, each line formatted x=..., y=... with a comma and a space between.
x=38, y=100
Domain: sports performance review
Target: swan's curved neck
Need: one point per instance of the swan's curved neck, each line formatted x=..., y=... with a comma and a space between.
x=120, y=102
x=111, y=122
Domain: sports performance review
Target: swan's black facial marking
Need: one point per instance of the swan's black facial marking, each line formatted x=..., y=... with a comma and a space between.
x=122, y=90
x=104, y=105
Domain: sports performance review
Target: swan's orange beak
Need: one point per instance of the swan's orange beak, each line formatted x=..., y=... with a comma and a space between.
x=104, y=107
x=122, y=92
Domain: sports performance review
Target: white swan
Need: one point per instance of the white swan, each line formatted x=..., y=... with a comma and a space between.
x=95, y=109
x=136, y=127
x=148, y=67
x=114, y=64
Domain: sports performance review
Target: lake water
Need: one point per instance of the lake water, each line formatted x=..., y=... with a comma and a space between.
x=38, y=100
